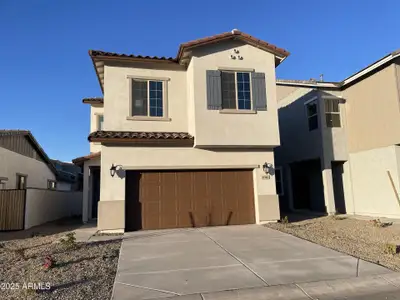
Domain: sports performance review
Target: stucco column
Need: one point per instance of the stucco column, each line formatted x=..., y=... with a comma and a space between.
x=111, y=207
x=329, y=195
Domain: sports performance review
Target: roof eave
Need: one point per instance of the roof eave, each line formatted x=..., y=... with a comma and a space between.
x=280, y=56
x=97, y=73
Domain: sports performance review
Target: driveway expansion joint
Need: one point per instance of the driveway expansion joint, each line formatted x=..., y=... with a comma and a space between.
x=389, y=281
x=304, y=292
x=149, y=288
x=235, y=257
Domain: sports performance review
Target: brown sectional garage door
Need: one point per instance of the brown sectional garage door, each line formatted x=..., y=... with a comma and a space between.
x=173, y=199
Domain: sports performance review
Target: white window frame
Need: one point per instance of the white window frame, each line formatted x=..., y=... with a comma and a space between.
x=3, y=183
x=51, y=181
x=98, y=121
x=236, y=91
x=332, y=112
x=280, y=180
x=164, y=81
x=306, y=104
x=18, y=176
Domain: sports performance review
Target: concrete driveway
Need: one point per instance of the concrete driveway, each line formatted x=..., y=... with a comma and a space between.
x=167, y=263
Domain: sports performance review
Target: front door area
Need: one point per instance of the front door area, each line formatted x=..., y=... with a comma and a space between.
x=195, y=198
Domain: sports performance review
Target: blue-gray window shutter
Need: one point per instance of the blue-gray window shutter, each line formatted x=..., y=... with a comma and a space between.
x=259, y=91
x=214, y=94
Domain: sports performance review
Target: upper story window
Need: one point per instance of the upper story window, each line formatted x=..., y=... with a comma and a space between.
x=51, y=184
x=100, y=122
x=3, y=183
x=21, y=181
x=312, y=115
x=332, y=112
x=147, y=98
x=236, y=92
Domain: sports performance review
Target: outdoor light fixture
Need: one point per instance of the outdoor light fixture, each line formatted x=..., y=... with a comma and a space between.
x=267, y=167
x=113, y=169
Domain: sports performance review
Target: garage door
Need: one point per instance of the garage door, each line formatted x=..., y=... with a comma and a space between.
x=174, y=199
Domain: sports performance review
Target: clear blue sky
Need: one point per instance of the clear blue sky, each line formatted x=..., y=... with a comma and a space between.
x=45, y=70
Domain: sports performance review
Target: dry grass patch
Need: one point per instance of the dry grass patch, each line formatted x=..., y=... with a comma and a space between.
x=368, y=240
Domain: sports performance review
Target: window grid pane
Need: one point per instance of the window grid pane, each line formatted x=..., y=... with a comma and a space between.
x=332, y=120
x=156, y=98
x=139, y=98
x=228, y=90
x=313, y=122
x=101, y=121
x=243, y=90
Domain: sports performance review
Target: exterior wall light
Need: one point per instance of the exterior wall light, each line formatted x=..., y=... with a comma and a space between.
x=267, y=168
x=113, y=169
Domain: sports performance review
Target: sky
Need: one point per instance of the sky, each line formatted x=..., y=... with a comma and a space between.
x=45, y=69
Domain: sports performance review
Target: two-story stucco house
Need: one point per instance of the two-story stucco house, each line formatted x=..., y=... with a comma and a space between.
x=185, y=141
x=340, y=142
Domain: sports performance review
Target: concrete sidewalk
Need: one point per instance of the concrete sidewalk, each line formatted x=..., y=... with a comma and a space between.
x=378, y=287
x=251, y=258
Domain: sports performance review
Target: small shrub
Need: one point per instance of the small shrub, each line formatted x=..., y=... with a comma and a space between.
x=391, y=248
x=378, y=223
x=69, y=241
x=285, y=220
x=49, y=262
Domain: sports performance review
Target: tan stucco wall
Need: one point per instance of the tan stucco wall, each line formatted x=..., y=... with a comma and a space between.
x=11, y=163
x=214, y=128
x=373, y=112
x=95, y=110
x=372, y=191
x=282, y=91
x=117, y=97
x=46, y=205
x=187, y=100
x=113, y=188
x=111, y=215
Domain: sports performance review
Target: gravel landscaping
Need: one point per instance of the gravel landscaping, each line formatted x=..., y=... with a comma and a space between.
x=74, y=270
x=368, y=240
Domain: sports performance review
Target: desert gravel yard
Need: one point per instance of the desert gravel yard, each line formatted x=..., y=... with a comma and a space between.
x=370, y=240
x=74, y=270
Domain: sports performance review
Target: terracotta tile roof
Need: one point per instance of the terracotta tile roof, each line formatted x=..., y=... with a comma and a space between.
x=232, y=34
x=93, y=100
x=97, y=53
x=140, y=135
x=82, y=159
x=195, y=43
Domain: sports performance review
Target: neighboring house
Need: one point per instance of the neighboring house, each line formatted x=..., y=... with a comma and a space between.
x=69, y=176
x=23, y=163
x=340, y=142
x=184, y=141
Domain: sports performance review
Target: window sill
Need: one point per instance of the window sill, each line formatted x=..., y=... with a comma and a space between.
x=237, y=111
x=143, y=118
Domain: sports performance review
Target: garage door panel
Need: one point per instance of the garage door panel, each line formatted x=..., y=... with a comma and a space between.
x=169, y=198
x=151, y=215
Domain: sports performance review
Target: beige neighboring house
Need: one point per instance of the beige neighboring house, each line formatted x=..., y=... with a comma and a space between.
x=185, y=141
x=340, y=142
x=23, y=163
